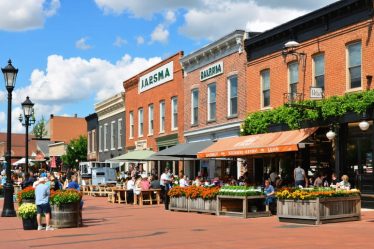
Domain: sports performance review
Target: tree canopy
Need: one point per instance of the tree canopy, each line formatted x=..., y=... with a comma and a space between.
x=76, y=152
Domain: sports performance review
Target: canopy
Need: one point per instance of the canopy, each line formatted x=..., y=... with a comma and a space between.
x=257, y=144
x=185, y=150
x=22, y=161
x=135, y=155
x=155, y=157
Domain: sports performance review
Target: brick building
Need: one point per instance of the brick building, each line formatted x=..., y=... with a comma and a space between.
x=154, y=103
x=215, y=90
x=64, y=129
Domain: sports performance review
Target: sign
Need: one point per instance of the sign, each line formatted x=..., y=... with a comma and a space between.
x=211, y=71
x=157, y=77
x=141, y=145
x=316, y=92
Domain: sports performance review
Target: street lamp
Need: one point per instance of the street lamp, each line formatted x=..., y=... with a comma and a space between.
x=10, y=75
x=28, y=112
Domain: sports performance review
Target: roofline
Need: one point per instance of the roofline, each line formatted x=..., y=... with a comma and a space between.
x=300, y=20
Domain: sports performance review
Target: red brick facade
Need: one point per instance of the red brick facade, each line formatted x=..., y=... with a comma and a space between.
x=64, y=129
x=164, y=92
x=334, y=47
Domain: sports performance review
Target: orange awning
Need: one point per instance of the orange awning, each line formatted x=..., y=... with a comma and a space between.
x=284, y=141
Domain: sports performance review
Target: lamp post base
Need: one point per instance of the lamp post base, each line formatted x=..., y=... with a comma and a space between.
x=8, y=208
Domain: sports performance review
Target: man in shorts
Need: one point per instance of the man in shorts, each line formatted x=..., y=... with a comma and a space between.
x=42, y=194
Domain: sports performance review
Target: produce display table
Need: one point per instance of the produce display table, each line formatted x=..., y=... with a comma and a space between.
x=320, y=210
x=242, y=206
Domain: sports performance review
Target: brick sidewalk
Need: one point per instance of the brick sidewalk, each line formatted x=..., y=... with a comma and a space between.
x=126, y=226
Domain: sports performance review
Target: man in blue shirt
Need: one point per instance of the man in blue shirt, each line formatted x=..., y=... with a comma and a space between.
x=42, y=194
x=73, y=184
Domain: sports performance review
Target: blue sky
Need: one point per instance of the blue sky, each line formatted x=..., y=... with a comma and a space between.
x=73, y=54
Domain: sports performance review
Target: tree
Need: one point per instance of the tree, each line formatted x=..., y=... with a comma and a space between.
x=40, y=129
x=76, y=152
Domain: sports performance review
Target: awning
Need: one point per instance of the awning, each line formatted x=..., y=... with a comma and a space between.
x=185, y=150
x=257, y=144
x=22, y=161
x=154, y=157
x=136, y=155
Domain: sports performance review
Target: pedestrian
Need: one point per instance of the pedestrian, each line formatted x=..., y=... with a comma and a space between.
x=42, y=193
x=164, y=179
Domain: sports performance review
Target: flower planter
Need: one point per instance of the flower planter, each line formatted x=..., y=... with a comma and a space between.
x=30, y=224
x=201, y=205
x=178, y=203
x=242, y=206
x=66, y=215
x=320, y=210
x=28, y=201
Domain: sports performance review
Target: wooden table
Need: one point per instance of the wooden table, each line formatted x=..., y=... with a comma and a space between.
x=146, y=196
x=244, y=206
x=119, y=193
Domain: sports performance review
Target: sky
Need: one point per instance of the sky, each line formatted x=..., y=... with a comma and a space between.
x=73, y=54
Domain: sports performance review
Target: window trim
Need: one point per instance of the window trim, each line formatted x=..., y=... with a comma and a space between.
x=94, y=141
x=131, y=125
x=112, y=137
x=162, y=111
x=174, y=128
x=192, y=107
x=101, y=142
x=208, y=102
x=106, y=137
x=142, y=130
x=262, y=89
x=119, y=134
x=289, y=76
x=229, y=114
x=150, y=132
x=348, y=75
x=89, y=142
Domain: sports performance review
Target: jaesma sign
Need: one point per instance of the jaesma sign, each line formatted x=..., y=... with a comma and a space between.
x=157, y=77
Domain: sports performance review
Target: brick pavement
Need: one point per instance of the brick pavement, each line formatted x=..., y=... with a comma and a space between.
x=126, y=226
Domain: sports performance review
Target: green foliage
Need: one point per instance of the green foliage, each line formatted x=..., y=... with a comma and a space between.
x=336, y=106
x=239, y=191
x=65, y=196
x=40, y=129
x=76, y=152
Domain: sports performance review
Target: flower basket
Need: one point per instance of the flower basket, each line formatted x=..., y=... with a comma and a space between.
x=27, y=211
x=26, y=195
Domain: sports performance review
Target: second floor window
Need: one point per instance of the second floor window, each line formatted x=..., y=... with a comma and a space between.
x=319, y=70
x=112, y=135
x=293, y=72
x=105, y=137
x=212, y=102
x=140, y=122
x=150, y=119
x=162, y=116
x=120, y=133
x=174, y=113
x=232, y=87
x=101, y=138
x=194, y=106
x=131, y=118
x=265, y=81
x=93, y=141
x=354, y=65
x=89, y=142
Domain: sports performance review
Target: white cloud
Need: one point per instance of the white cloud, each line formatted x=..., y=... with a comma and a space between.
x=170, y=16
x=82, y=44
x=160, y=34
x=26, y=14
x=119, y=42
x=140, y=40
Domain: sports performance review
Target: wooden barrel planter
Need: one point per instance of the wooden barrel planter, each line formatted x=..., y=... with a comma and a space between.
x=28, y=201
x=202, y=206
x=178, y=203
x=66, y=215
x=320, y=210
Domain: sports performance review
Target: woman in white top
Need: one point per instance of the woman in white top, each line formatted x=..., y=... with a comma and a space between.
x=183, y=182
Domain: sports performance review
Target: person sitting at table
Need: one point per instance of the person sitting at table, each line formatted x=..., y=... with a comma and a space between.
x=344, y=184
x=155, y=183
x=269, y=192
x=183, y=181
x=137, y=189
x=144, y=183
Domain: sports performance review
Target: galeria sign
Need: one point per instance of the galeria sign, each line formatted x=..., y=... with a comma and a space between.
x=157, y=77
x=211, y=71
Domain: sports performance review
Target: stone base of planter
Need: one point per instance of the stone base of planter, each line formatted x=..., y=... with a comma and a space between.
x=319, y=211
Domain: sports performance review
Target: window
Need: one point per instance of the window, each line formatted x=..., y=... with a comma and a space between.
x=101, y=138
x=112, y=135
x=93, y=141
x=150, y=119
x=174, y=113
x=265, y=82
x=89, y=142
x=354, y=65
x=212, y=102
x=131, y=124
x=105, y=137
x=140, y=122
x=120, y=134
x=293, y=72
x=162, y=116
x=195, y=106
x=233, y=95
x=319, y=70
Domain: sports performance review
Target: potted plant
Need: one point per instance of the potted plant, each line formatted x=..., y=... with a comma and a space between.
x=26, y=195
x=65, y=208
x=27, y=212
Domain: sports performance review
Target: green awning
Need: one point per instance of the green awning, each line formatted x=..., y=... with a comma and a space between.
x=136, y=155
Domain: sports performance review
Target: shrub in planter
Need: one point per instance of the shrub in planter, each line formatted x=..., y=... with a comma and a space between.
x=60, y=197
x=26, y=195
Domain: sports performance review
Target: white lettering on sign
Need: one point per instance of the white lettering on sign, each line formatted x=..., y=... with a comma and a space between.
x=157, y=77
x=316, y=93
x=211, y=71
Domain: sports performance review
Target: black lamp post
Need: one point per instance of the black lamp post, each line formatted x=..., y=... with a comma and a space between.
x=28, y=113
x=10, y=75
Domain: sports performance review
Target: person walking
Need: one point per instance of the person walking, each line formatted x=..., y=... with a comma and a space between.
x=42, y=193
